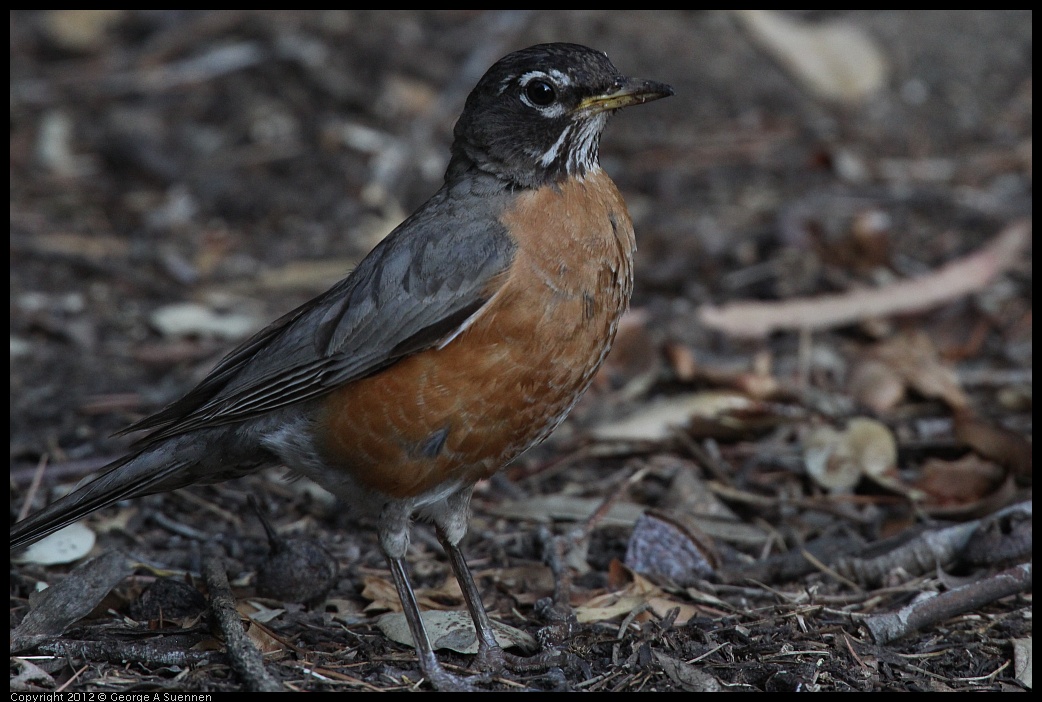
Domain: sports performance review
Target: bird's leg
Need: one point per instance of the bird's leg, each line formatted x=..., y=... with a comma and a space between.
x=394, y=539
x=451, y=526
x=438, y=677
x=490, y=655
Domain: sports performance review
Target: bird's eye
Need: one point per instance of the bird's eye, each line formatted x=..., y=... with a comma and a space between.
x=540, y=93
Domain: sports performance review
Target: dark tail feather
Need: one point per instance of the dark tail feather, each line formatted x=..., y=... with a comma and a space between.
x=141, y=474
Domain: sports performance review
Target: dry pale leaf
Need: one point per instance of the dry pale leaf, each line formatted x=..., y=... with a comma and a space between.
x=657, y=420
x=93, y=247
x=191, y=319
x=662, y=606
x=306, y=275
x=257, y=612
x=834, y=60
x=453, y=630
x=837, y=460
x=63, y=546
x=564, y=507
x=633, y=357
x=26, y=677
x=80, y=30
x=383, y=595
x=631, y=591
x=872, y=446
x=826, y=458
x=1022, y=657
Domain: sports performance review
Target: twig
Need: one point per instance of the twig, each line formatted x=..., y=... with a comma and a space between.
x=71, y=680
x=587, y=529
x=930, y=550
x=244, y=657
x=33, y=487
x=146, y=653
x=926, y=612
x=175, y=527
x=958, y=278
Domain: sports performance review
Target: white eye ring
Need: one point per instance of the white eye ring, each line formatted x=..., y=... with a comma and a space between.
x=551, y=109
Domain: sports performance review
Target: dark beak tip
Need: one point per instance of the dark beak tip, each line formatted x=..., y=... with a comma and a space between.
x=656, y=91
x=664, y=89
x=653, y=89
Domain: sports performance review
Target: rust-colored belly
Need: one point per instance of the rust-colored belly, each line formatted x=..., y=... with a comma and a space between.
x=461, y=412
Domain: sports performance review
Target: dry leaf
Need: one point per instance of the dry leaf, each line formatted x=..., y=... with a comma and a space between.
x=916, y=360
x=1022, y=658
x=93, y=247
x=63, y=546
x=670, y=547
x=687, y=675
x=384, y=596
x=381, y=594
x=1005, y=447
x=306, y=275
x=191, y=319
x=257, y=612
x=633, y=356
x=682, y=360
x=872, y=446
x=837, y=460
x=656, y=421
x=343, y=610
x=263, y=639
x=834, y=60
x=564, y=507
x=827, y=461
x=80, y=30
x=962, y=481
x=453, y=630
x=633, y=592
x=876, y=385
x=662, y=606
x=610, y=606
x=70, y=599
x=26, y=677
x=527, y=582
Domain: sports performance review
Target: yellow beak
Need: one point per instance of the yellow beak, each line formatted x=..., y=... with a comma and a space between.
x=629, y=92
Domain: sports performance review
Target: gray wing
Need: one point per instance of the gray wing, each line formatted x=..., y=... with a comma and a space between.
x=414, y=290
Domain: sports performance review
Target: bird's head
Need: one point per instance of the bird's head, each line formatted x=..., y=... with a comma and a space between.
x=537, y=114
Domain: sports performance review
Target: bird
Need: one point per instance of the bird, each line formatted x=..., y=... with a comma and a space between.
x=461, y=340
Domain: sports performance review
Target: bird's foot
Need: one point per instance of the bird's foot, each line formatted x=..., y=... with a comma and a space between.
x=444, y=681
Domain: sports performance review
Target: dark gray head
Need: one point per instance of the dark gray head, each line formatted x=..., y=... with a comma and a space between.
x=536, y=116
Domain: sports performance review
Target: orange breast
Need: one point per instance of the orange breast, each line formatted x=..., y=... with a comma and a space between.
x=461, y=412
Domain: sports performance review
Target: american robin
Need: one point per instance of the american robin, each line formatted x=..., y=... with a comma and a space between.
x=460, y=341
